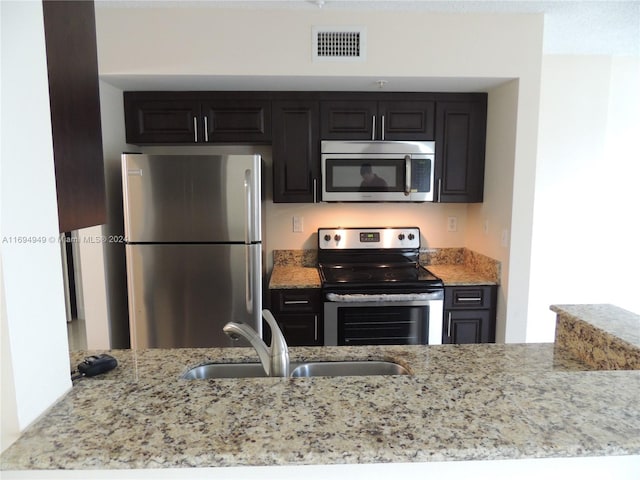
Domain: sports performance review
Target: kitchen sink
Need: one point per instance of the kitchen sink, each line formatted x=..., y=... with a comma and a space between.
x=306, y=369
x=225, y=370
x=347, y=368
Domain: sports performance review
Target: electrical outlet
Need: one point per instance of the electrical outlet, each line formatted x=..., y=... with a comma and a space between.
x=452, y=224
x=298, y=224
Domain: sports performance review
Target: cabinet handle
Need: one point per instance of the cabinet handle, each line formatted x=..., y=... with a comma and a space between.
x=382, y=131
x=315, y=327
x=373, y=127
x=206, y=129
x=195, y=129
x=439, y=188
x=469, y=299
x=449, y=325
x=296, y=302
x=315, y=190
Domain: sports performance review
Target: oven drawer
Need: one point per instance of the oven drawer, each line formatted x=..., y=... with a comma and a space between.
x=468, y=297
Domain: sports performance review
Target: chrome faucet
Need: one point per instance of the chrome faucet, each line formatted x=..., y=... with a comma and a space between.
x=275, y=359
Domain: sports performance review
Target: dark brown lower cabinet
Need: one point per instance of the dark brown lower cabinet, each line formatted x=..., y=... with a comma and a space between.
x=299, y=316
x=469, y=314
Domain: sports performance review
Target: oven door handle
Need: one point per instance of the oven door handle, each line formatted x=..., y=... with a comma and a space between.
x=383, y=297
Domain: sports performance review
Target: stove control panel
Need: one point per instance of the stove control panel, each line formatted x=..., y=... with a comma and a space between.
x=359, y=238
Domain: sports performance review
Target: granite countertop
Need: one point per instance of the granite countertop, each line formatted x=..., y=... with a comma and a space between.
x=455, y=266
x=589, y=334
x=460, y=275
x=294, y=276
x=463, y=402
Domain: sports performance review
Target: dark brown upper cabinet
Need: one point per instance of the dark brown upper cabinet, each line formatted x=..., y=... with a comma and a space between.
x=460, y=149
x=362, y=119
x=72, y=65
x=296, y=151
x=237, y=120
x=296, y=122
x=174, y=118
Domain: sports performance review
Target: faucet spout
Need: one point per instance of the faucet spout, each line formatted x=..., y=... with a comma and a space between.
x=274, y=359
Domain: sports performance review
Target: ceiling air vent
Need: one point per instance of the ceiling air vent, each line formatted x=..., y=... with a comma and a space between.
x=339, y=43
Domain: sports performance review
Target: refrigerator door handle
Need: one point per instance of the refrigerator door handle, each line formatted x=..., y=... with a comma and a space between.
x=253, y=295
x=248, y=203
x=249, y=279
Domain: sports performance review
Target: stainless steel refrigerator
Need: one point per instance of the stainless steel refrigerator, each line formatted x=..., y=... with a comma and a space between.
x=194, y=253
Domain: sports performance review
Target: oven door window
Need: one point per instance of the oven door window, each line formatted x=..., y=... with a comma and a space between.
x=392, y=325
x=371, y=175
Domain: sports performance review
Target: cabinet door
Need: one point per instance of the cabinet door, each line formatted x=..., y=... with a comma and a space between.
x=406, y=120
x=467, y=326
x=162, y=121
x=347, y=120
x=236, y=120
x=295, y=151
x=460, y=149
x=298, y=329
x=72, y=66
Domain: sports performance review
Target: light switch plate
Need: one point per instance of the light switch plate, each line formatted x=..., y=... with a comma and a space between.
x=298, y=224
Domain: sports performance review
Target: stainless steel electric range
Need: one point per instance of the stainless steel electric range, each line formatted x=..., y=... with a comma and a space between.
x=375, y=290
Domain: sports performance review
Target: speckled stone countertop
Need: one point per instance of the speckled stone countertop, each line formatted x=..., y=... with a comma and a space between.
x=455, y=266
x=294, y=269
x=463, y=402
x=602, y=336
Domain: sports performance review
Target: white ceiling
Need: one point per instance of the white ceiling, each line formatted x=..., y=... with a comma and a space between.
x=589, y=27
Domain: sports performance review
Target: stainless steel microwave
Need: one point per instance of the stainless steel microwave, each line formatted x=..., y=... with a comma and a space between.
x=377, y=171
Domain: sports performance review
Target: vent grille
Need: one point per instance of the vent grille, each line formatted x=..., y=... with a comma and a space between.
x=338, y=43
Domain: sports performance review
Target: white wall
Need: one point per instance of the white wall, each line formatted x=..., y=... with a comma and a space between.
x=34, y=340
x=489, y=222
x=586, y=223
x=91, y=270
x=196, y=39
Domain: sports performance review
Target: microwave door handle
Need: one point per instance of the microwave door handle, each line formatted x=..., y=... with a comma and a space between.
x=407, y=178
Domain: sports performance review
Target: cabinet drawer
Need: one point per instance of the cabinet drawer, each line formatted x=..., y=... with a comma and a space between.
x=296, y=300
x=468, y=297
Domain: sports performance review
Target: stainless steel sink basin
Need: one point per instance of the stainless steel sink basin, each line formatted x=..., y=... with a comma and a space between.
x=307, y=369
x=347, y=368
x=225, y=370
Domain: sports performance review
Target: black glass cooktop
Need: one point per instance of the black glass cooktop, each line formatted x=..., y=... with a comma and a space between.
x=395, y=276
